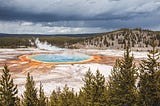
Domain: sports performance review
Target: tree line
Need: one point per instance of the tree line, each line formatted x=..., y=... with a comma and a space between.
x=25, y=41
x=128, y=85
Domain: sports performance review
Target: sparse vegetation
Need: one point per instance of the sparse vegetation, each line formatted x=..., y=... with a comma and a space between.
x=116, y=39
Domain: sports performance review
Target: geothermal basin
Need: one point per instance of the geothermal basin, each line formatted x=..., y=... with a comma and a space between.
x=55, y=67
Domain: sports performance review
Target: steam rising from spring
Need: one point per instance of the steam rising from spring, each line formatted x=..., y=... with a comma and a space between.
x=45, y=45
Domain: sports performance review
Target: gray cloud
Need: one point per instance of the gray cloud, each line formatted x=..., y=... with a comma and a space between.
x=114, y=0
x=56, y=10
x=104, y=14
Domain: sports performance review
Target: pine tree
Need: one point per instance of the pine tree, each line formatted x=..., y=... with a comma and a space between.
x=42, y=98
x=93, y=92
x=30, y=94
x=149, y=84
x=67, y=97
x=87, y=89
x=98, y=89
x=121, y=89
x=47, y=102
x=8, y=90
x=55, y=98
x=76, y=99
x=81, y=98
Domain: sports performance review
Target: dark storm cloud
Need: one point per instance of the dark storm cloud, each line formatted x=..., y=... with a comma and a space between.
x=15, y=14
x=82, y=13
x=10, y=11
x=9, y=14
x=35, y=13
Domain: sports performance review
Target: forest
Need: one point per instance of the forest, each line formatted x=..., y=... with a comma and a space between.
x=128, y=85
x=24, y=41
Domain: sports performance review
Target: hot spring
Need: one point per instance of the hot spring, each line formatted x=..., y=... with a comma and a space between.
x=60, y=58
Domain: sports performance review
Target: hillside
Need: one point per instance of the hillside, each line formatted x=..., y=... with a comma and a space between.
x=139, y=39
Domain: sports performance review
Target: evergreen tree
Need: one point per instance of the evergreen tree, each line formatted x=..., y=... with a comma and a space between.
x=47, y=102
x=93, y=90
x=8, y=90
x=149, y=84
x=81, y=98
x=77, y=99
x=55, y=98
x=30, y=94
x=87, y=89
x=98, y=90
x=63, y=98
x=67, y=97
x=42, y=98
x=121, y=89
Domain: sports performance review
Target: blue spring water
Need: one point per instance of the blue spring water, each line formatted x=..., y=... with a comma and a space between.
x=59, y=57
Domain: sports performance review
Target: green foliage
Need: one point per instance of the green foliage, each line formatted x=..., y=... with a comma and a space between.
x=14, y=42
x=8, y=90
x=54, y=99
x=87, y=88
x=42, y=98
x=30, y=94
x=93, y=91
x=121, y=86
x=65, y=97
x=81, y=99
x=98, y=89
x=149, y=84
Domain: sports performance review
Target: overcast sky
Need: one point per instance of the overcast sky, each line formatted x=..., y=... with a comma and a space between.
x=77, y=16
